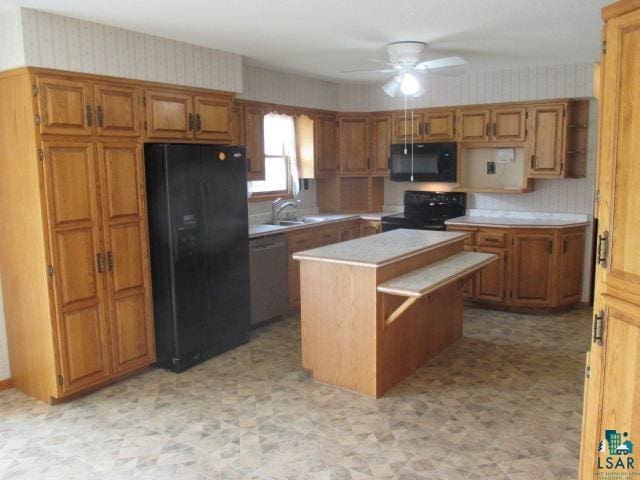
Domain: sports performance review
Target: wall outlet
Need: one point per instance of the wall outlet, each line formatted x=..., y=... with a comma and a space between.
x=491, y=168
x=506, y=155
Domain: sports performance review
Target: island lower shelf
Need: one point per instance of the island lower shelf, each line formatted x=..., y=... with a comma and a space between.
x=347, y=338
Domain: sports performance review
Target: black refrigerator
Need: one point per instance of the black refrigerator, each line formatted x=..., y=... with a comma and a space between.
x=198, y=234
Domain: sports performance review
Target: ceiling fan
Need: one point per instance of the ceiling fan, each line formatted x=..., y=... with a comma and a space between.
x=405, y=61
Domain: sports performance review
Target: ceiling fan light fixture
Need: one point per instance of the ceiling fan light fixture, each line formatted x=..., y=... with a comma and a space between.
x=409, y=84
x=392, y=86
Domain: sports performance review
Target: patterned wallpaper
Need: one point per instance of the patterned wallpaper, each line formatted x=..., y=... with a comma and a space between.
x=535, y=83
x=265, y=85
x=11, y=46
x=54, y=41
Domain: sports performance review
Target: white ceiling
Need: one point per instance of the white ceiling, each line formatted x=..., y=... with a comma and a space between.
x=322, y=37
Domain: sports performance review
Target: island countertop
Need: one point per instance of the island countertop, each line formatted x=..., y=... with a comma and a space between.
x=513, y=221
x=381, y=249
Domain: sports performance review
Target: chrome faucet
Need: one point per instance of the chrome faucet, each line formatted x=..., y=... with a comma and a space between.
x=277, y=207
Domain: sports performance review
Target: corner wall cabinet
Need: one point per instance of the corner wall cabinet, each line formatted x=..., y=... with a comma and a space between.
x=73, y=242
x=536, y=267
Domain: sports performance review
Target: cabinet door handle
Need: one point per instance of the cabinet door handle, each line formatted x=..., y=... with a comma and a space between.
x=494, y=129
x=533, y=161
x=110, y=261
x=100, y=262
x=550, y=246
x=486, y=130
x=89, y=115
x=191, y=122
x=565, y=246
x=598, y=327
x=100, y=116
x=198, y=122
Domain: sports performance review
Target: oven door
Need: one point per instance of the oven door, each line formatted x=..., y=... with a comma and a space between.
x=430, y=162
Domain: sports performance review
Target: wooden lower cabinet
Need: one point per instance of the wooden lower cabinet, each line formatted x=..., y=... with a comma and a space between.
x=370, y=227
x=491, y=281
x=313, y=237
x=540, y=267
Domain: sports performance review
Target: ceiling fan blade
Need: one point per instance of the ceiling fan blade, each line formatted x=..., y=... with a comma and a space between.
x=370, y=71
x=377, y=60
x=440, y=63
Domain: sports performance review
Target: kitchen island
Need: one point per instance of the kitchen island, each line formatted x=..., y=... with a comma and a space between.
x=374, y=309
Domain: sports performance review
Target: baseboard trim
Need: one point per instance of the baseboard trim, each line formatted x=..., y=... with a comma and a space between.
x=6, y=384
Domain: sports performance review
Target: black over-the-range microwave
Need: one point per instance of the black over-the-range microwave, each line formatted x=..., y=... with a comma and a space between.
x=429, y=162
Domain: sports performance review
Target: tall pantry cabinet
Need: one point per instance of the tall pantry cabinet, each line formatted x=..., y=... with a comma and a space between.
x=74, y=253
x=612, y=379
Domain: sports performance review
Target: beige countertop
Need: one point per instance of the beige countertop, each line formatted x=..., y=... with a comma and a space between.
x=509, y=222
x=381, y=249
x=261, y=230
x=430, y=277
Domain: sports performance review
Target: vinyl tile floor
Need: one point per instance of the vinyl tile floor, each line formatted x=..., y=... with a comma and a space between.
x=504, y=402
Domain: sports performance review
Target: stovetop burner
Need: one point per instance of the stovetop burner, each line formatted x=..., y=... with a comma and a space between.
x=426, y=210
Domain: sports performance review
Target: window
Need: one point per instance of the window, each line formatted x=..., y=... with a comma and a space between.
x=281, y=171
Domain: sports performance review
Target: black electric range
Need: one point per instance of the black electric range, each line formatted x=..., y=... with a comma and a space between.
x=426, y=210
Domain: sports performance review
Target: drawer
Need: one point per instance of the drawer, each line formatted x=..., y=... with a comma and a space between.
x=471, y=239
x=298, y=243
x=492, y=238
x=327, y=236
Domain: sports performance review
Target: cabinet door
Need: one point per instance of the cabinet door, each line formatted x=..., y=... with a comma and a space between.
x=349, y=231
x=370, y=227
x=354, y=145
x=380, y=144
x=439, y=126
x=326, y=146
x=254, y=142
x=474, y=125
x=124, y=215
x=169, y=114
x=508, y=124
x=470, y=287
x=612, y=391
x=491, y=279
x=570, y=273
x=546, y=145
x=117, y=110
x=78, y=262
x=297, y=243
x=237, y=125
x=407, y=128
x=531, y=263
x=65, y=107
x=213, y=118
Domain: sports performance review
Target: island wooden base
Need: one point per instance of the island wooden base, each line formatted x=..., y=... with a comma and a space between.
x=345, y=339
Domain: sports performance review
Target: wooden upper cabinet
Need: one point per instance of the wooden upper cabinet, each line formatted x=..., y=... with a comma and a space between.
x=70, y=179
x=508, y=124
x=532, y=268
x=254, y=141
x=474, y=125
x=117, y=110
x=381, y=129
x=546, y=145
x=65, y=107
x=326, y=146
x=237, y=125
x=407, y=127
x=213, y=118
x=439, y=126
x=169, y=114
x=127, y=257
x=354, y=145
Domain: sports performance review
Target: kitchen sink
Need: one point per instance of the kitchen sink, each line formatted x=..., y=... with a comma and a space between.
x=298, y=221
